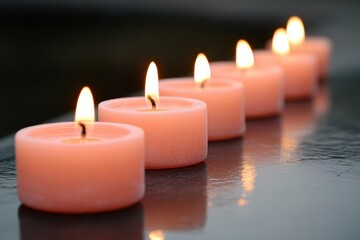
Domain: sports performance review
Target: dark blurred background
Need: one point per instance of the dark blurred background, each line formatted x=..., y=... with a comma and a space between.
x=49, y=49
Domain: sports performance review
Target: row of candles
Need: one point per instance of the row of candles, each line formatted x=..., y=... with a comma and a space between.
x=90, y=166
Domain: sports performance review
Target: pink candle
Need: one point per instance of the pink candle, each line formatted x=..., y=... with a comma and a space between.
x=175, y=128
x=300, y=70
x=80, y=168
x=321, y=47
x=224, y=99
x=263, y=83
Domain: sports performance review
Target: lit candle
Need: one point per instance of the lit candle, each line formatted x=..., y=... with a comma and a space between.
x=300, y=70
x=321, y=47
x=224, y=99
x=263, y=83
x=80, y=167
x=175, y=128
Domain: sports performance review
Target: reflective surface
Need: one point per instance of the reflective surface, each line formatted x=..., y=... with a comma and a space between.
x=292, y=177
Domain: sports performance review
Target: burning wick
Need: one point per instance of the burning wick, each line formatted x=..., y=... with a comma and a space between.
x=202, y=84
x=83, y=130
x=153, y=104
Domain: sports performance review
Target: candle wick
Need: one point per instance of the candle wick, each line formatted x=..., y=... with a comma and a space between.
x=243, y=71
x=153, y=104
x=202, y=84
x=83, y=130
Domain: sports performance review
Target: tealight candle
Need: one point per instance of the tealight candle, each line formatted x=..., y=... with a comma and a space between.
x=263, y=83
x=300, y=70
x=175, y=128
x=321, y=47
x=224, y=99
x=81, y=167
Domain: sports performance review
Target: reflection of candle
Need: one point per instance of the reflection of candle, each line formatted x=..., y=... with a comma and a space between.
x=125, y=224
x=299, y=120
x=65, y=168
x=224, y=99
x=300, y=70
x=180, y=205
x=175, y=128
x=322, y=100
x=321, y=47
x=269, y=142
x=223, y=165
x=263, y=84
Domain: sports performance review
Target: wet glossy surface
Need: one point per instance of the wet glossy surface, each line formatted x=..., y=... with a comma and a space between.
x=294, y=177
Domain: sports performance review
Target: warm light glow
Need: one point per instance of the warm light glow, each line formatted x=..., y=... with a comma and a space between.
x=280, y=42
x=248, y=174
x=289, y=145
x=156, y=235
x=244, y=55
x=295, y=30
x=242, y=202
x=85, y=109
x=152, y=84
x=202, y=71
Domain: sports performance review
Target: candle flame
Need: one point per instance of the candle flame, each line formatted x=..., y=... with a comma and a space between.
x=202, y=71
x=244, y=55
x=152, y=85
x=295, y=30
x=156, y=235
x=280, y=42
x=85, y=109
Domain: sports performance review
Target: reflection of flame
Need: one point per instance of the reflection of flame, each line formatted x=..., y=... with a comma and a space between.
x=288, y=148
x=156, y=235
x=248, y=174
x=322, y=101
x=288, y=143
x=242, y=202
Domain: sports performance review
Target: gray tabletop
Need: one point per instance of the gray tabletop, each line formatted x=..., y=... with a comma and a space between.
x=292, y=177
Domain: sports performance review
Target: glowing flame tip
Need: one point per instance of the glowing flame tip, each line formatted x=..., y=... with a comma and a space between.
x=295, y=30
x=85, y=109
x=244, y=55
x=202, y=71
x=152, y=84
x=280, y=42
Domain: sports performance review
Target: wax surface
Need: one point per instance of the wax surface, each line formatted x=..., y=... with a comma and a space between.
x=263, y=87
x=175, y=133
x=224, y=99
x=321, y=47
x=57, y=175
x=300, y=72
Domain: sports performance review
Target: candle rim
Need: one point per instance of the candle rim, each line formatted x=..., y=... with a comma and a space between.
x=216, y=83
x=126, y=131
x=193, y=104
x=258, y=67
